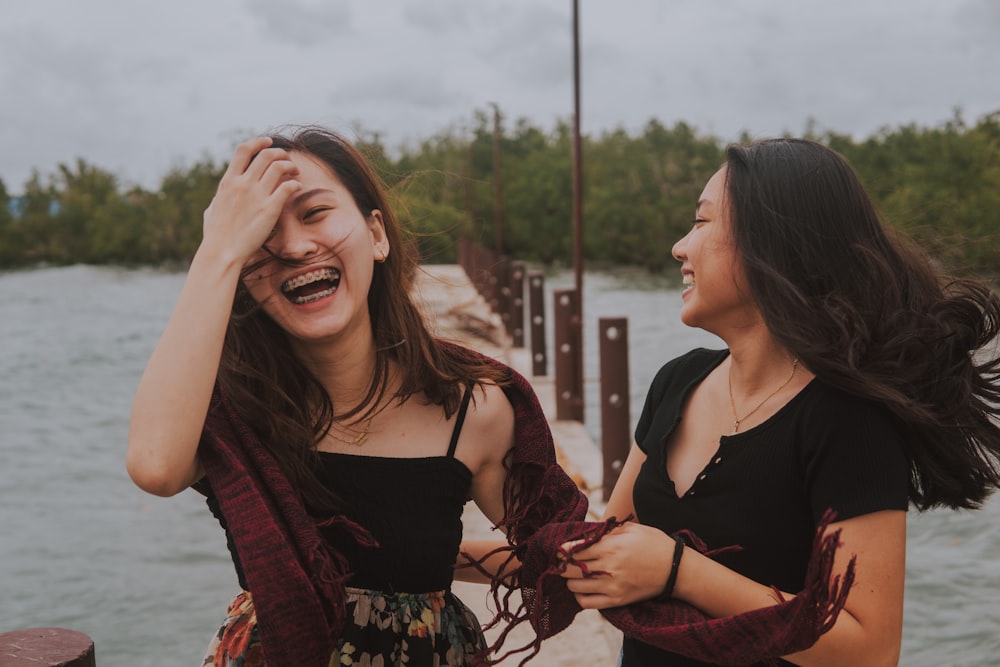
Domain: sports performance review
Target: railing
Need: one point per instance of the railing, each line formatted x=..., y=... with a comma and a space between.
x=501, y=282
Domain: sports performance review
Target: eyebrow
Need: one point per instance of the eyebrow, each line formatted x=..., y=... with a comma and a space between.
x=302, y=196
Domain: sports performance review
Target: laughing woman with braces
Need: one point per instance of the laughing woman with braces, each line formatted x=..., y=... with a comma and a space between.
x=336, y=440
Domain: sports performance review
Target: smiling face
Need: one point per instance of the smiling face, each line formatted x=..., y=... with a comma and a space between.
x=715, y=295
x=326, y=247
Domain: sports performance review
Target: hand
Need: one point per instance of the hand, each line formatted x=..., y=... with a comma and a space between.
x=629, y=564
x=250, y=197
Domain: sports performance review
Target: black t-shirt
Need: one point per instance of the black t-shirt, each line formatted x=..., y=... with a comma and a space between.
x=766, y=489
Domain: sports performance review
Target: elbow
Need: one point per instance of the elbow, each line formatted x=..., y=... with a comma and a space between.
x=154, y=477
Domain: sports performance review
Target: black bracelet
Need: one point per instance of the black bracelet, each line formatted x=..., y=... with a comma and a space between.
x=668, y=590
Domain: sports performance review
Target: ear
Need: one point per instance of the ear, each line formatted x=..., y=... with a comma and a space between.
x=380, y=242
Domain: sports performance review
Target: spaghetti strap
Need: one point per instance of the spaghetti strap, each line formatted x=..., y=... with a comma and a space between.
x=459, y=420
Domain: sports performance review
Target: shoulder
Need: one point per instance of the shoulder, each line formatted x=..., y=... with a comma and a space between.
x=489, y=423
x=852, y=446
x=831, y=410
x=688, y=367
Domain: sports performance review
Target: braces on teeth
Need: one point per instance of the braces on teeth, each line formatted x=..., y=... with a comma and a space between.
x=311, y=277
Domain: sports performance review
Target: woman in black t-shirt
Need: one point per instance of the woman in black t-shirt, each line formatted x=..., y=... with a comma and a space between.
x=851, y=383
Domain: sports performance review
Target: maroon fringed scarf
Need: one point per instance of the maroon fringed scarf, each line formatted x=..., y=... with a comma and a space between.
x=537, y=531
x=762, y=635
x=297, y=583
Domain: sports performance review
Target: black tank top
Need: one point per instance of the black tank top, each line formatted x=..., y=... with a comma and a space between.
x=412, y=507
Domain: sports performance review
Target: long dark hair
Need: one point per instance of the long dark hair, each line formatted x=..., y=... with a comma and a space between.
x=869, y=313
x=280, y=398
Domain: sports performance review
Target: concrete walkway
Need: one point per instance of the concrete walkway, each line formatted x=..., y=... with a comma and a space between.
x=457, y=312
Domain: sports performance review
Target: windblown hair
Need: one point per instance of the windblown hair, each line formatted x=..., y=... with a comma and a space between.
x=280, y=398
x=869, y=313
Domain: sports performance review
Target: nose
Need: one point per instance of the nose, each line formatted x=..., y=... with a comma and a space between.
x=678, y=250
x=293, y=239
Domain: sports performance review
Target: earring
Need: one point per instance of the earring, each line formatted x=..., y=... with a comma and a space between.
x=381, y=256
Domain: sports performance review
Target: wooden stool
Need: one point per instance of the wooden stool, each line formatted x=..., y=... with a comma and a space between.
x=46, y=647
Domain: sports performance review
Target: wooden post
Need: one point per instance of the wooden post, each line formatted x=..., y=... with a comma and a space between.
x=536, y=313
x=615, y=436
x=516, y=326
x=501, y=272
x=569, y=374
x=46, y=647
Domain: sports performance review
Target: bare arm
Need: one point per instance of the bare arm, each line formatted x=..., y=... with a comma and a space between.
x=867, y=632
x=620, y=503
x=172, y=398
x=490, y=427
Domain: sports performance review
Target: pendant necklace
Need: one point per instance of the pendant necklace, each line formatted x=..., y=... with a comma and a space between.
x=737, y=420
x=359, y=438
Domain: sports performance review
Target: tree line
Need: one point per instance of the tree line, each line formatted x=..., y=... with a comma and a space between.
x=939, y=185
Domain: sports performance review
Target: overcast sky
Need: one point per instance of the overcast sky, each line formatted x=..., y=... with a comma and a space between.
x=138, y=87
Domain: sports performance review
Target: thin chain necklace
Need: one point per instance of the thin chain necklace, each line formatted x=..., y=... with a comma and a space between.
x=737, y=420
x=359, y=438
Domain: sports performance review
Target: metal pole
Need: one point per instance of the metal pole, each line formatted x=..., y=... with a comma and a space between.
x=497, y=184
x=536, y=310
x=516, y=304
x=577, y=318
x=569, y=401
x=615, y=403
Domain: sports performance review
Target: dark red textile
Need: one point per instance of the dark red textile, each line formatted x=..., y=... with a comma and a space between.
x=297, y=583
x=744, y=639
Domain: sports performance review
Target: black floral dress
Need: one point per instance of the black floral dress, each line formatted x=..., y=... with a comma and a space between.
x=400, y=609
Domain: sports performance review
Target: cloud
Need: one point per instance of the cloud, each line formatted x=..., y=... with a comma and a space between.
x=302, y=22
x=138, y=87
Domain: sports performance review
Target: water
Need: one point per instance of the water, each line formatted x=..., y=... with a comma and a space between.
x=148, y=578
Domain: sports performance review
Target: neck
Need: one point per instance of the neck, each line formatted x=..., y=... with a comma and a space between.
x=757, y=363
x=344, y=368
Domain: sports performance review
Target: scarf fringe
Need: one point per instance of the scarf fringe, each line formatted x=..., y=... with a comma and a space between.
x=547, y=605
x=762, y=635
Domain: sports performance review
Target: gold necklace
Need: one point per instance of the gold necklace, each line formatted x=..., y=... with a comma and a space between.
x=737, y=420
x=360, y=436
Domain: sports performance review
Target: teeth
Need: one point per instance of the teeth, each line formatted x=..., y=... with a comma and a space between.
x=311, y=277
x=688, y=280
x=301, y=300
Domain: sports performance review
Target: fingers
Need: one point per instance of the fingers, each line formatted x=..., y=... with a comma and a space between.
x=253, y=191
x=581, y=570
x=245, y=153
x=271, y=168
x=596, y=592
x=255, y=160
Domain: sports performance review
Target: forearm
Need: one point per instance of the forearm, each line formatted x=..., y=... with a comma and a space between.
x=172, y=398
x=868, y=629
x=474, y=551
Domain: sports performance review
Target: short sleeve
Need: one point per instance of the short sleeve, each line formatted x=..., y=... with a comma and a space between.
x=856, y=463
x=648, y=410
x=667, y=392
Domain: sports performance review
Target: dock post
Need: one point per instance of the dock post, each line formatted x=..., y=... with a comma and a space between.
x=615, y=403
x=48, y=647
x=516, y=329
x=568, y=335
x=536, y=315
x=501, y=272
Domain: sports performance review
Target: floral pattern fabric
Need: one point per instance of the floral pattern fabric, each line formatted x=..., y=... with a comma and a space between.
x=382, y=630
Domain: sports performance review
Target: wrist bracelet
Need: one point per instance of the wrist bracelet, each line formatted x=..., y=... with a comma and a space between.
x=668, y=590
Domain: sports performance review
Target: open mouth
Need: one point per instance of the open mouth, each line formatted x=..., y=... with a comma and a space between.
x=311, y=286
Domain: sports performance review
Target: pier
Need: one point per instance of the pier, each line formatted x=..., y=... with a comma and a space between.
x=456, y=311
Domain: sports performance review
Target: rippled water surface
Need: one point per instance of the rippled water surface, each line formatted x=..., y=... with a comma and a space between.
x=148, y=578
